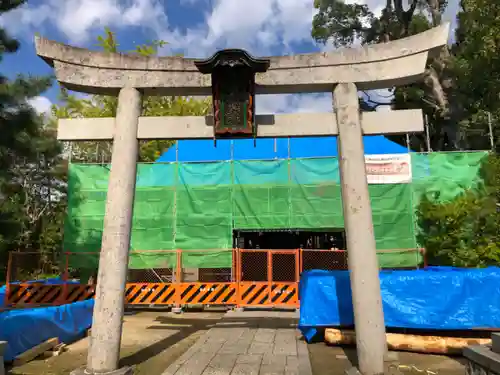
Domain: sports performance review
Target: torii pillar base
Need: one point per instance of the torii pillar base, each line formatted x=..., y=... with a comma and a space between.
x=122, y=371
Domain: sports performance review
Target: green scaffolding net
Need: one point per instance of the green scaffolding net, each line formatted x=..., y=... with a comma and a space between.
x=196, y=206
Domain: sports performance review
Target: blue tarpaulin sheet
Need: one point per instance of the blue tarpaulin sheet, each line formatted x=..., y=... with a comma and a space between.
x=442, y=298
x=2, y=296
x=270, y=148
x=24, y=329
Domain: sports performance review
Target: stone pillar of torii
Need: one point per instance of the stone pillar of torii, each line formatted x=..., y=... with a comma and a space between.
x=341, y=72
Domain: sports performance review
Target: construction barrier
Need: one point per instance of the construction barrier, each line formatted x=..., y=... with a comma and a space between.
x=19, y=295
x=260, y=277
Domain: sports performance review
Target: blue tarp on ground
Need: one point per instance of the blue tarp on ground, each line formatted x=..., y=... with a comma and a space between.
x=24, y=329
x=271, y=148
x=441, y=298
x=2, y=296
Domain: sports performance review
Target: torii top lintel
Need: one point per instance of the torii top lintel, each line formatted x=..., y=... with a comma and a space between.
x=375, y=66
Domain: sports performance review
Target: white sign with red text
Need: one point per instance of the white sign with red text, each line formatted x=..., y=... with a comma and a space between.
x=388, y=169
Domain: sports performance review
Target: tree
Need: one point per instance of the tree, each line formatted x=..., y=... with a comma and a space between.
x=344, y=24
x=477, y=69
x=465, y=231
x=29, y=154
x=105, y=106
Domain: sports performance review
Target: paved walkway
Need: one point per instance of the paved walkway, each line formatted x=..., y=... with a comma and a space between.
x=247, y=343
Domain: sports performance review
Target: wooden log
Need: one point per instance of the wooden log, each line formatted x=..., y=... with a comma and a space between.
x=410, y=343
x=36, y=351
x=56, y=351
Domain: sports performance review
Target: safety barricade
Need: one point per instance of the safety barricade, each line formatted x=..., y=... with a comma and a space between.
x=19, y=295
x=253, y=278
x=150, y=293
x=268, y=278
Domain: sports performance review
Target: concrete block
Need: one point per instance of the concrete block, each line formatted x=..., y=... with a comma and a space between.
x=495, y=342
x=249, y=359
x=3, y=345
x=260, y=348
x=482, y=359
x=246, y=368
x=304, y=362
x=177, y=310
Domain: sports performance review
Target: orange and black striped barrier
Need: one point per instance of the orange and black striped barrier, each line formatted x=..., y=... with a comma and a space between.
x=256, y=277
x=180, y=294
x=19, y=295
x=268, y=294
x=32, y=294
x=208, y=294
x=77, y=292
x=150, y=293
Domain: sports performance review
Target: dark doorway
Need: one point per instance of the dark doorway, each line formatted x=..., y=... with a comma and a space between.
x=254, y=264
x=275, y=239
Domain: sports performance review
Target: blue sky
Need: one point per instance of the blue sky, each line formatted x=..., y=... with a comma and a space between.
x=196, y=28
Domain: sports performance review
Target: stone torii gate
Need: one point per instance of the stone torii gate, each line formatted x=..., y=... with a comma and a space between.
x=341, y=72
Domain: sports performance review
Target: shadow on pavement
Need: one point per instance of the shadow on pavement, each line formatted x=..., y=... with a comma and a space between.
x=188, y=327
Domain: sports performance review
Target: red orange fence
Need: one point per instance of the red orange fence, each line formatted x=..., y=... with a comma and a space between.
x=267, y=278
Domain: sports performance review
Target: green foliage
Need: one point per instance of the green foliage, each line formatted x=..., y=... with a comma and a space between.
x=74, y=106
x=464, y=232
x=476, y=70
x=31, y=187
x=341, y=23
x=344, y=24
x=490, y=173
x=107, y=41
x=106, y=106
x=477, y=49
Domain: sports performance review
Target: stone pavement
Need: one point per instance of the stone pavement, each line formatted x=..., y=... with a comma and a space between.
x=247, y=343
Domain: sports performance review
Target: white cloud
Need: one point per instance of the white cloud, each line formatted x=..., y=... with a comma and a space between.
x=26, y=18
x=260, y=26
x=295, y=20
x=41, y=104
x=77, y=18
x=303, y=103
x=263, y=27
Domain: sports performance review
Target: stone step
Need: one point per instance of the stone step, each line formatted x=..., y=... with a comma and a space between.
x=481, y=360
x=495, y=342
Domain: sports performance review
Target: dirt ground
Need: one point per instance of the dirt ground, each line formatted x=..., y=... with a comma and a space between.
x=151, y=341
x=154, y=339
x=330, y=360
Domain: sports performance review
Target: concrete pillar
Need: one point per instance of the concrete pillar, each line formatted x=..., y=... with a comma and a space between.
x=363, y=263
x=104, y=351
